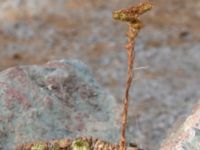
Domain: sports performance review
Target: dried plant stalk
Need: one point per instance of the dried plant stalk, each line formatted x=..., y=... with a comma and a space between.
x=131, y=16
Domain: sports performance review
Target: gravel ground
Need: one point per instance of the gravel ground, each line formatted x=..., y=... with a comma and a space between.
x=168, y=48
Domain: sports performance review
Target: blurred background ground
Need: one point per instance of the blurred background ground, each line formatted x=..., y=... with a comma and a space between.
x=34, y=32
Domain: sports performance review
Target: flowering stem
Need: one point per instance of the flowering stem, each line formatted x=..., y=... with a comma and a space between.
x=130, y=15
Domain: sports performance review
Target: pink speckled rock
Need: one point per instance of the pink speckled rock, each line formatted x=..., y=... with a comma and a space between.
x=55, y=100
x=187, y=135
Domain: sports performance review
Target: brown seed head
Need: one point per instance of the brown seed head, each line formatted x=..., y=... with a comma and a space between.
x=144, y=7
x=132, y=14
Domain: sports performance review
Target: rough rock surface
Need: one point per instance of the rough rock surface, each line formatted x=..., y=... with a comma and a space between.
x=54, y=100
x=185, y=136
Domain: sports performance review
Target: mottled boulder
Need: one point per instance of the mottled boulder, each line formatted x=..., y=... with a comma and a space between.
x=185, y=136
x=55, y=100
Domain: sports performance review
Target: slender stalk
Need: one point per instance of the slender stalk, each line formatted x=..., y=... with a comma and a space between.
x=132, y=33
x=130, y=15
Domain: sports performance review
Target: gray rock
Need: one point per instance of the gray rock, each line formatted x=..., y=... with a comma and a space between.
x=55, y=100
x=185, y=136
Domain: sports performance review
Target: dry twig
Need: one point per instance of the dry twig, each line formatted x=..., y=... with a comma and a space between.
x=131, y=16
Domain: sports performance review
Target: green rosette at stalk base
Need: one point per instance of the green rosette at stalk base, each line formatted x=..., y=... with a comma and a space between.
x=80, y=145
